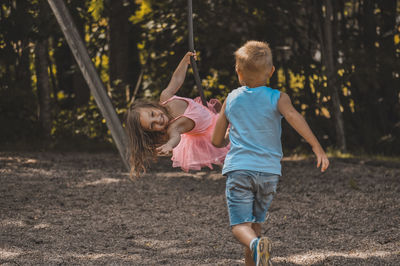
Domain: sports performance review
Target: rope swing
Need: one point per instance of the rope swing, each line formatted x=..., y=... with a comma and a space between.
x=191, y=49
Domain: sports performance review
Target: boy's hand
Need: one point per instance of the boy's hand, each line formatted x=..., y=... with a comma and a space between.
x=164, y=149
x=322, y=159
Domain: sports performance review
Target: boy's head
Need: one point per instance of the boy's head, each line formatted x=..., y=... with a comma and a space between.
x=254, y=63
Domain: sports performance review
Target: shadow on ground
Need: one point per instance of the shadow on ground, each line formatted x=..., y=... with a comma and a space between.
x=79, y=208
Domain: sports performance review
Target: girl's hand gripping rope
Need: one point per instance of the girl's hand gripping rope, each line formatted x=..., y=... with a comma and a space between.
x=187, y=56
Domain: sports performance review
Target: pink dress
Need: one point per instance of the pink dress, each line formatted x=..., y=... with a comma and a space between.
x=195, y=150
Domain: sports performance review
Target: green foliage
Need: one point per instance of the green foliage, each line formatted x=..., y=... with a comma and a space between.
x=83, y=122
x=96, y=8
x=366, y=42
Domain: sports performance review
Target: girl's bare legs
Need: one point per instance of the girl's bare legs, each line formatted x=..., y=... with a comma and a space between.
x=245, y=233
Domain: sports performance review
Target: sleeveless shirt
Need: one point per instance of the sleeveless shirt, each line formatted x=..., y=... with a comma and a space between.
x=255, y=130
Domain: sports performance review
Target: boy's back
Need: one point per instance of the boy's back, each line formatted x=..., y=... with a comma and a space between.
x=255, y=132
x=252, y=165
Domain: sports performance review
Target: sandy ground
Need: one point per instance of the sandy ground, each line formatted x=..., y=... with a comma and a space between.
x=80, y=208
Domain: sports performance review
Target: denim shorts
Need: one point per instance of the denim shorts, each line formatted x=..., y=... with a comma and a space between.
x=249, y=195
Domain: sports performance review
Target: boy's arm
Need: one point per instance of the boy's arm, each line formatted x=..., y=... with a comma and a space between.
x=220, y=138
x=177, y=78
x=297, y=121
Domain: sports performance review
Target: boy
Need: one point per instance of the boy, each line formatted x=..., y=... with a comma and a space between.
x=252, y=165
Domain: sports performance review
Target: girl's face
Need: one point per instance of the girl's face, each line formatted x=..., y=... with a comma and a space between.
x=153, y=119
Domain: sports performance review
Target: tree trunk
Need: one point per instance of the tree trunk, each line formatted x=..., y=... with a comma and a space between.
x=69, y=77
x=388, y=85
x=91, y=76
x=119, y=48
x=43, y=85
x=331, y=73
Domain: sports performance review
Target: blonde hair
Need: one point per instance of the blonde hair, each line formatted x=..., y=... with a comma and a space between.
x=254, y=61
x=142, y=143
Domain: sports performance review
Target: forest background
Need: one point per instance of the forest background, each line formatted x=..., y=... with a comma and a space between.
x=337, y=60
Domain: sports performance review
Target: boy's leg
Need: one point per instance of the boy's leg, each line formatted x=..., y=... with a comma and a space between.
x=245, y=233
x=257, y=228
x=248, y=254
x=266, y=189
x=240, y=200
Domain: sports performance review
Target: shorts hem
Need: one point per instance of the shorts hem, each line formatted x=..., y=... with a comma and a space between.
x=253, y=222
x=242, y=222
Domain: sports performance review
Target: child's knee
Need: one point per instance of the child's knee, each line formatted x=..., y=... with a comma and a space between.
x=242, y=226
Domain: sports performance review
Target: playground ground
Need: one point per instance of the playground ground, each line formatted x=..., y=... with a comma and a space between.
x=81, y=208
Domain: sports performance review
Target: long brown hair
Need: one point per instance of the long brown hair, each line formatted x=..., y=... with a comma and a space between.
x=142, y=143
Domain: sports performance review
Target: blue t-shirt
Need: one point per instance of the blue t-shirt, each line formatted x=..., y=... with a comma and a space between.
x=255, y=130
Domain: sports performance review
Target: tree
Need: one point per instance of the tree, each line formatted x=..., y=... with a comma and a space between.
x=43, y=85
x=328, y=55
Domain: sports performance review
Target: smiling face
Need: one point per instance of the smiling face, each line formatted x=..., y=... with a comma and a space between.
x=153, y=119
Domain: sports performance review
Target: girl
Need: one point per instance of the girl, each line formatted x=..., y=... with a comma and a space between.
x=181, y=125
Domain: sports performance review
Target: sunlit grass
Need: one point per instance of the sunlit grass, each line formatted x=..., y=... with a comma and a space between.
x=335, y=153
x=339, y=154
x=320, y=256
x=102, y=181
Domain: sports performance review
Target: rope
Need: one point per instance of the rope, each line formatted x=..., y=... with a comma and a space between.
x=191, y=48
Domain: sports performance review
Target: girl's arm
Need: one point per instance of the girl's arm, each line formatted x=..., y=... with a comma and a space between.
x=220, y=138
x=182, y=125
x=297, y=121
x=177, y=78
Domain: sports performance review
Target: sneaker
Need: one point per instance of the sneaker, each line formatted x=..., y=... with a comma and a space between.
x=254, y=250
x=262, y=252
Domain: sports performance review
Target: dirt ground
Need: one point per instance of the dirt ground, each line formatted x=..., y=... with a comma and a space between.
x=81, y=208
